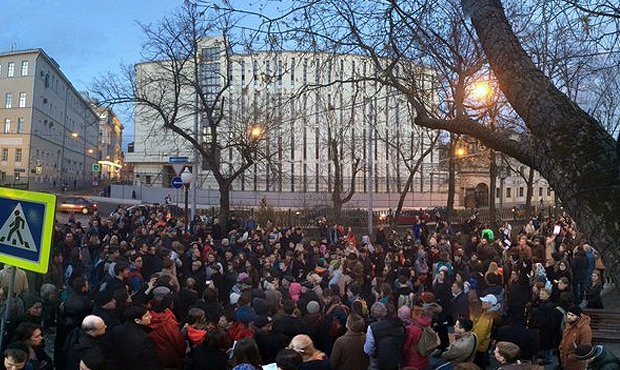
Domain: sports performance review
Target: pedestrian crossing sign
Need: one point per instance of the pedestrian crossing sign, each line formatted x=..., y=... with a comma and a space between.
x=26, y=228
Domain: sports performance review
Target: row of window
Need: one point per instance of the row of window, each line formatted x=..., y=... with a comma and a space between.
x=8, y=100
x=4, y=155
x=19, y=129
x=521, y=192
x=10, y=69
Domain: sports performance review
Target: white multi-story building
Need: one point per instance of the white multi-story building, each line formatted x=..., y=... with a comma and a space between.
x=310, y=107
x=48, y=134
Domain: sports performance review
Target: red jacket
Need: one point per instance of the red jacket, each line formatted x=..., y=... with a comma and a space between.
x=411, y=357
x=239, y=331
x=168, y=339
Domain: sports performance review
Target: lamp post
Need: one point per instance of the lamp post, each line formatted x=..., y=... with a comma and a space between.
x=483, y=91
x=186, y=178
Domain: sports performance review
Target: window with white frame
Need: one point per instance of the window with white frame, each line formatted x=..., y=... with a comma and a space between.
x=8, y=100
x=22, y=100
x=18, y=155
x=7, y=126
x=24, y=68
x=5, y=154
x=508, y=193
x=20, y=125
x=521, y=191
x=11, y=70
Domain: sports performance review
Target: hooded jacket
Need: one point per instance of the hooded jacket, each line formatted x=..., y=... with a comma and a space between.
x=574, y=335
x=411, y=356
x=167, y=337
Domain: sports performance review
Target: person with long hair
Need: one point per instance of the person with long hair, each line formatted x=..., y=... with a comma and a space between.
x=31, y=335
x=593, y=291
x=246, y=355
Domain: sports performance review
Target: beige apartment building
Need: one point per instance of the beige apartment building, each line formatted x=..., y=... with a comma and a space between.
x=110, y=145
x=49, y=134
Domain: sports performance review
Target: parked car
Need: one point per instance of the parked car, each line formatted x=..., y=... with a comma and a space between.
x=77, y=204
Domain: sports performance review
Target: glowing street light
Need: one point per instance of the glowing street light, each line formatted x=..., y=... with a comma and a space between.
x=256, y=132
x=90, y=151
x=74, y=135
x=482, y=91
x=460, y=152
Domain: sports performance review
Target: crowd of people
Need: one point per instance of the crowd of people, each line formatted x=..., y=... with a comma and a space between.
x=142, y=290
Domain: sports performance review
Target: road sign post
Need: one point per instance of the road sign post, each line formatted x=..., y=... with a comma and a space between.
x=26, y=228
x=176, y=183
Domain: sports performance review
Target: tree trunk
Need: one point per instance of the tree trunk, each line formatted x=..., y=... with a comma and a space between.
x=530, y=193
x=492, y=187
x=451, y=180
x=224, y=205
x=567, y=146
x=403, y=195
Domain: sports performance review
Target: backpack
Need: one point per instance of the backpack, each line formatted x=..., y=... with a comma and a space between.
x=336, y=327
x=429, y=340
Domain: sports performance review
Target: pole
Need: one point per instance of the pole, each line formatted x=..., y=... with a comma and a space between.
x=370, y=169
x=7, y=309
x=186, y=191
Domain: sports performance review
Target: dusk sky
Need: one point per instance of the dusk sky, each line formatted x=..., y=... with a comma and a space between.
x=86, y=37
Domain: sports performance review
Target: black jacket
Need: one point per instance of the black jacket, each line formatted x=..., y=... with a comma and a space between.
x=133, y=348
x=203, y=357
x=87, y=349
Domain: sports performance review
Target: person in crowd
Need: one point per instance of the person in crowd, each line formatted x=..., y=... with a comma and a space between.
x=576, y=333
x=88, y=349
x=463, y=348
x=593, y=291
x=31, y=335
x=508, y=356
x=289, y=359
x=384, y=339
x=348, y=350
x=313, y=359
x=414, y=328
x=16, y=357
x=133, y=348
x=597, y=357
x=211, y=353
x=482, y=328
x=164, y=327
x=246, y=355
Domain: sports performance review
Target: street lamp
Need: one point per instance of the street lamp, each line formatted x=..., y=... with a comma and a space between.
x=256, y=133
x=186, y=179
x=483, y=92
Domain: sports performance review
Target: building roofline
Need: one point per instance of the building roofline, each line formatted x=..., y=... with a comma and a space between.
x=56, y=65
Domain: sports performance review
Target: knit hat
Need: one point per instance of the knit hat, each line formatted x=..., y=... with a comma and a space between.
x=587, y=352
x=575, y=310
x=245, y=315
x=378, y=310
x=161, y=292
x=243, y=277
x=31, y=300
x=404, y=313
x=295, y=291
x=260, y=306
x=313, y=307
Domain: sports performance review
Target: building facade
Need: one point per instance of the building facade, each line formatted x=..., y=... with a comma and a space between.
x=110, y=144
x=320, y=116
x=473, y=179
x=49, y=132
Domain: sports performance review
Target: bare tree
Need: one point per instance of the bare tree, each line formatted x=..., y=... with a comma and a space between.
x=566, y=145
x=183, y=87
